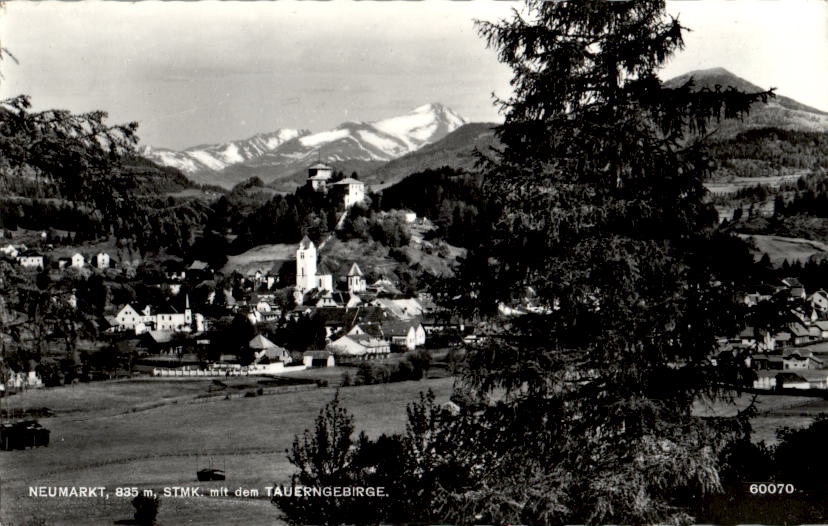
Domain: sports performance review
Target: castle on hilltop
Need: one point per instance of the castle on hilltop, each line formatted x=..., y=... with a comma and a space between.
x=351, y=190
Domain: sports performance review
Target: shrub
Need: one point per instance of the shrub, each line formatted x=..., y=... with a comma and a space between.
x=146, y=509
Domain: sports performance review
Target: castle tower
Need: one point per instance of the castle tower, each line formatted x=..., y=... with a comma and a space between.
x=318, y=176
x=305, y=265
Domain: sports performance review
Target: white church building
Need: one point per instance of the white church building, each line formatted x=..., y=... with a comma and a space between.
x=307, y=276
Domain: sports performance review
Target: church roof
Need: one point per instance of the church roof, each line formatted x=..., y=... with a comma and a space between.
x=320, y=166
x=306, y=243
x=323, y=269
x=355, y=270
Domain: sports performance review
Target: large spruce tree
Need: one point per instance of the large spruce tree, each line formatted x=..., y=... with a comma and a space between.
x=605, y=231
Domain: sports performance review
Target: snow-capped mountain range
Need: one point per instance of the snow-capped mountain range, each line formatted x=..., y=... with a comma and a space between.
x=214, y=157
x=285, y=152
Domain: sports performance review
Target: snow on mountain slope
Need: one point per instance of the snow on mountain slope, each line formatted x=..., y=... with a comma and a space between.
x=285, y=152
x=215, y=157
x=370, y=141
x=421, y=125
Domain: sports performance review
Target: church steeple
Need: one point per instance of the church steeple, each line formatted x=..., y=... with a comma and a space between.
x=305, y=265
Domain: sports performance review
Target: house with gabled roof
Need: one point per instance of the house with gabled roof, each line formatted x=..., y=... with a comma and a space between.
x=800, y=359
x=168, y=319
x=403, y=333
x=796, y=290
x=265, y=351
x=360, y=346
x=30, y=259
x=819, y=301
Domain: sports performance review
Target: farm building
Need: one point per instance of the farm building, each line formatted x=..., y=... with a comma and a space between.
x=318, y=359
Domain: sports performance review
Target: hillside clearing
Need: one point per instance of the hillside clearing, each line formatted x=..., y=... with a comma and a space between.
x=792, y=249
x=261, y=257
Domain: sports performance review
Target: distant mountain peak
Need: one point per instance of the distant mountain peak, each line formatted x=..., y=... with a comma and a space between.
x=431, y=107
x=274, y=154
x=709, y=72
x=709, y=78
x=780, y=112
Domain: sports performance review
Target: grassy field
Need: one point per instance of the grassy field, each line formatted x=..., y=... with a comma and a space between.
x=791, y=248
x=774, y=412
x=156, y=433
x=261, y=257
x=734, y=184
x=97, y=439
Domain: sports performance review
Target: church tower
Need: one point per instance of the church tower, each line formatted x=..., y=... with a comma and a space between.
x=305, y=265
x=356, y=282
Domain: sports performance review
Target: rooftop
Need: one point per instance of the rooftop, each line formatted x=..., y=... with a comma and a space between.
x=349, y=180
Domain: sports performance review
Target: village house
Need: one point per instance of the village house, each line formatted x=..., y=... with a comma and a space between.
x=360, y=346
x=383, y=285
x=127, y=318
x=199, y=271
x=796, y=290
x=265, y=351
x=766, y=361
x=795, y=334
x=819, y=301
x=9, y=251
x=440, y=322
x=30, y=259
x=20, y=380
x=761, y=293
x=402, y=333
x=822, y=325
x=797, y=360
x=100, y=260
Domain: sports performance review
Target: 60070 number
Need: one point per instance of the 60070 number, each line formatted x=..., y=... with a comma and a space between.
x=772, y=488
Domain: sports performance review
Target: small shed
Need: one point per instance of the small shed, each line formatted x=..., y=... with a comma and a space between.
x=318, y=359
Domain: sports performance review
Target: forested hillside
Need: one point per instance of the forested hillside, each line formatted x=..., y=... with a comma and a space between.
x=452, y=198
x=769, y=152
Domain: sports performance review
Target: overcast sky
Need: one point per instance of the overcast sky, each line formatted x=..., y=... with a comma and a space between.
x=203, y=72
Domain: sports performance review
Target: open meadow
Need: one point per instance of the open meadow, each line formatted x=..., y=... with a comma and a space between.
x=152, y=434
